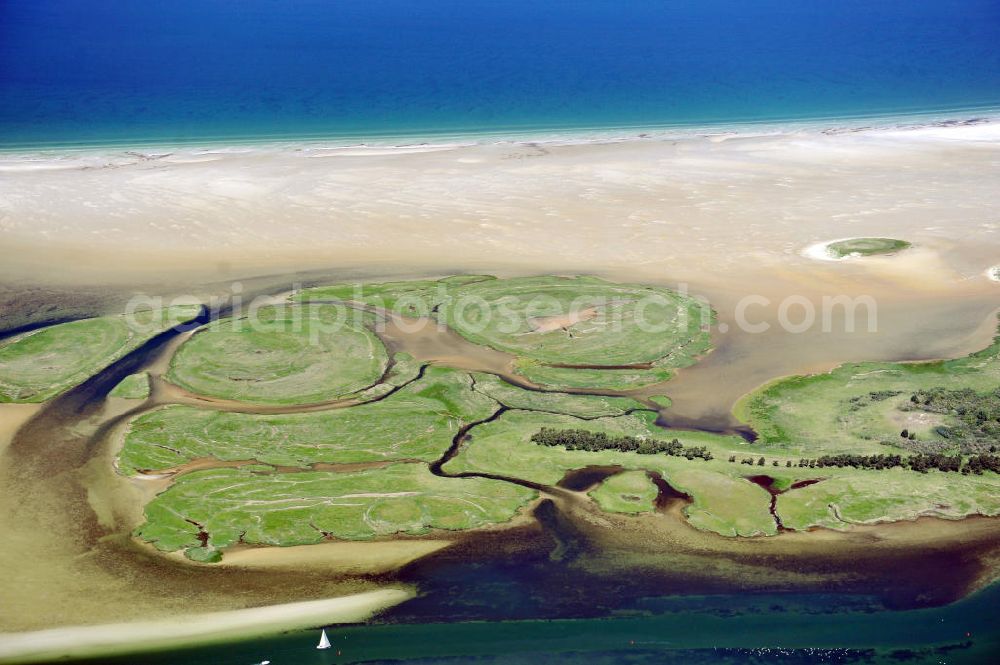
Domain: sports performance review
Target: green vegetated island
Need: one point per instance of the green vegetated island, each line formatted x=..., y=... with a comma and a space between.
x=384, y=446
x=133, y=386
x=282, y=355
x=570, y=333
x=38, y=365
x=856, y=247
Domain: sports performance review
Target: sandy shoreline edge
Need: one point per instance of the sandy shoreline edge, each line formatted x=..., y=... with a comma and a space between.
x=191, y=630
x=975, y=124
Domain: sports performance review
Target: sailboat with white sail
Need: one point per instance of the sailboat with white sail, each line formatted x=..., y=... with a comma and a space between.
x=324, y=641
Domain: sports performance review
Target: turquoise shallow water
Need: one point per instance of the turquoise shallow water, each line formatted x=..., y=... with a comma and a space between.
x=111, y=72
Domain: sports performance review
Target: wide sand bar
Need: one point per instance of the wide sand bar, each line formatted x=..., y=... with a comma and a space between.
x=694, y=208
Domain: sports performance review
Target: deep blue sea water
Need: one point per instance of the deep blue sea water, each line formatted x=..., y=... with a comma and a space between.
x=120, y=71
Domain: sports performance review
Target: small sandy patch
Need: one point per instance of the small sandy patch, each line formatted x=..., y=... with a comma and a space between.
x=546, y=324
x=915, y=421
x=355, y=558
x=820, y=251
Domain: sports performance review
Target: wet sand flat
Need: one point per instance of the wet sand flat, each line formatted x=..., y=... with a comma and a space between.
x=695, y=209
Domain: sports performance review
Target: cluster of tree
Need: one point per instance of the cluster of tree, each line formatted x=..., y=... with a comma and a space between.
x=925, y=462
x=978, y=414
x=581, y=439
x=751, y=461
x=856, y=461
x=759, y=462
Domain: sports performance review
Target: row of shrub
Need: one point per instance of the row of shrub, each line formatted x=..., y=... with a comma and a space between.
x=581, y=439
x=922, y=462
x=861, y=401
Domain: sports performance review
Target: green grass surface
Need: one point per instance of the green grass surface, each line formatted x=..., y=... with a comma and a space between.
x=205, y=511
x=284, y=355
x=581, y=321
x=404, y=369
x=661, y=400
x=723, y=501
x=417, y=422
x=133, y=386
x=866, y=247
x=626, y=492
x=882, y=496
x=411, y=298
x=726, y=504
x=863, y=407
x=550, y=321
x=586, y=406
x=599, y=379
x=39, y=365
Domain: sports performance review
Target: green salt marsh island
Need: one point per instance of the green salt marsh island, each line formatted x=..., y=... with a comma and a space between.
x=133, y=386
x=38, y=365
x=301, y=424
x=282, y=354
x=865, y=443
x=204, y=512
x=417, y=422
x=562, y=331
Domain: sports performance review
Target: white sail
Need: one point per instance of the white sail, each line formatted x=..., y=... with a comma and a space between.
x=324, y=641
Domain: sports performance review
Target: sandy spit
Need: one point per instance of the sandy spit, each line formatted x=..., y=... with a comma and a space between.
x=81, y=641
